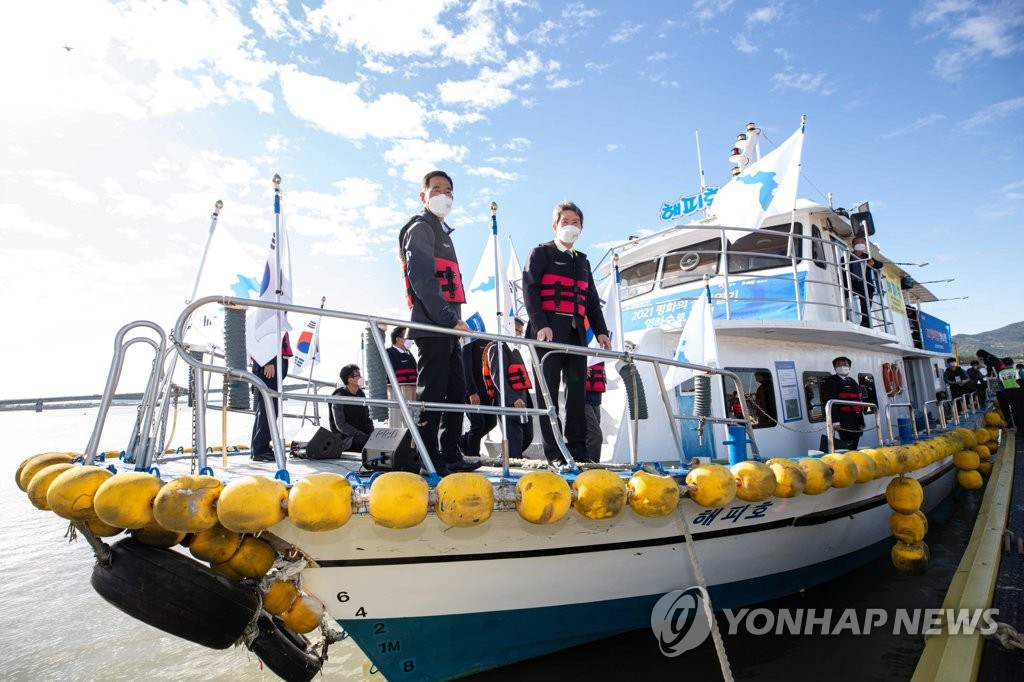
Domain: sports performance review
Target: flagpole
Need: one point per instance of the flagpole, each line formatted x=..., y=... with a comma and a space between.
x=792, y=223
x=498, y=305
x=700, y=171
x=279, y=281
x=314, y=347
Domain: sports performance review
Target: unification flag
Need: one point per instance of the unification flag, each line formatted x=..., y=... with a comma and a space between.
x=764, y=187
x=488, y=292
x=697, y=344
x=611, y=306
x=307, y=348
x=514, y=276
x=263, y=342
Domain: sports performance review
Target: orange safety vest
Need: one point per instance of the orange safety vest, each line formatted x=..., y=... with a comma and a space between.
x=517, y=376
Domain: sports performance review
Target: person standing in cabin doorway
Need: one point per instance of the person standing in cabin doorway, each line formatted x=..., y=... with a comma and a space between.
x=434, y=292
x=559, y=293
x=846, y=419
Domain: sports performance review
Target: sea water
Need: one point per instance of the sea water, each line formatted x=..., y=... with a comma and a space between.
x=53, y=625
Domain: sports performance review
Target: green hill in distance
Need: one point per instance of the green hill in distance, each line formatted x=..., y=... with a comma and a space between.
x=1005, y=341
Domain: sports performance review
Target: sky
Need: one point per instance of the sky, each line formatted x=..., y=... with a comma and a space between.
x=113, y=152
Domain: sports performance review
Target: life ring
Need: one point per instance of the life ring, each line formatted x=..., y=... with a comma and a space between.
x=892, y=379
x=176, y=594
x=284, y=651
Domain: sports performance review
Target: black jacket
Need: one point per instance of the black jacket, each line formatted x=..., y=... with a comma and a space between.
x=417, y=246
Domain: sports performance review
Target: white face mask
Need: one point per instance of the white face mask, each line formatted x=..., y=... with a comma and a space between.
x=568, y=234
x=860, y=248
x=409, y=346
x=440, y=205
x=842, y=371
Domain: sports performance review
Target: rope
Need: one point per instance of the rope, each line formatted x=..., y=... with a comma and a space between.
x=716, y=636
x=99, y=548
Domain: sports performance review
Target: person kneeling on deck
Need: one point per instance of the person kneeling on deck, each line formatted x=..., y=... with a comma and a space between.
x=847, y=420
x=559, y=292
x=519, y=429
x=351, y=421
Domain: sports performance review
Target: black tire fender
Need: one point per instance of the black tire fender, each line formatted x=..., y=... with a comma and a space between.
x=175, y=593
x=284, y=651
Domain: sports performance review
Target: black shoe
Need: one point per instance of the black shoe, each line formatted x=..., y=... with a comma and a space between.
x=263, y=457
x=463, y=465
x=557, y=463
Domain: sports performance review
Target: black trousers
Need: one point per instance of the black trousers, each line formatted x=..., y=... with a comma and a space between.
x=260, y=428
x=573, y=369
x=441, y=380
x=479, y=426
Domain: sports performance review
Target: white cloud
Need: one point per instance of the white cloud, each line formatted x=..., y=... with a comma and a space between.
x=917, y=125
x=517, y=144
x=742, y=43
x=803, y=81
x=491, y=88
x=707, y=10
x=625, y=32
x=764, y=15
x=15, y=221
x=611, y=147
x=452, y=120
x=63, y=185
x=992, y=113
x=416, y=158
x=976, y=31
x=487, y=172
x=658, y=57
x=573, y=22
x=337, y=108
x=555, y=83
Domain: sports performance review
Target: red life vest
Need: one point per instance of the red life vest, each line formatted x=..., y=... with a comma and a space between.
x=406, y=375
x=561, y=288
x=597, y=380
x=446, y=266
x=849, y=392
x=518, y=379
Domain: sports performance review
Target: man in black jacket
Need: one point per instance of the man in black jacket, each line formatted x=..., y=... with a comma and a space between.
x=351, y=421
x=559, y=293
x=846, y=419
x=434, y=291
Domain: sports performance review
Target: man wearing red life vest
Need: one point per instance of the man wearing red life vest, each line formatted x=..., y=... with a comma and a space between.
x=434, y=292
x=559, y=292
x=846, y=419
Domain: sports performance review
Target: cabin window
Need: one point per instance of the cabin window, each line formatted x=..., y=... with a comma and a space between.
x=764, y=249
x=867, y=389
x=758, y=391
x=691, y=263
x=638, y=279
x=812, y=395
x=817, y=247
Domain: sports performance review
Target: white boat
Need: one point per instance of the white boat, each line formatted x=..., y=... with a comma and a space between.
x=436, y=601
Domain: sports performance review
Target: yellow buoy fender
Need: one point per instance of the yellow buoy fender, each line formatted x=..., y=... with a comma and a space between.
x=993, y=437
x=908, y=528
x=320, y=502
x=993, y=419
x=306, y=612
x=886, y=460
x=225, y=569
x=101, y=529
x=711, y=485
x=464, y=500
x=542, y=497
x=817, y=473
x=755, y=481
x=279, y=596
x=971, y=480
x=255, y=556
x=905, y=495
x=40, y=483
x=866, y=467
x=652, y=495
x=844, y=471
x=398, y=499
x=156, y=535
x=982, y=436
x=126, y=500
x=252, y=504
x=31, y=466
x=215, y=545
x=969, y=440
x=600, y=494
x=789, y=476
x=966, y=460
x=910, y=558
x=71, y=492
x=984, y=454
x=985, y=468
x=188, y=504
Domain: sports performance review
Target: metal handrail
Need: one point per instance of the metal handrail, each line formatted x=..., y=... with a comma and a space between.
x=963, y=400
x=939, y=410
x=888, y=418
x=830, y=430
x=399, y=400
x=952, y=407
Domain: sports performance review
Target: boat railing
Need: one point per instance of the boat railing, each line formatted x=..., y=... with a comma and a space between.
x=899, y=406
x=962, y=401
x=939, y=410
x=830, y=429
x=825, y=252
x=398, y=400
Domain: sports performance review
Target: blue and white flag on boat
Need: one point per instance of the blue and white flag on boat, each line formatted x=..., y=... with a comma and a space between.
x=263, y=342
x=487, y=290
x=765, y=187
x=697, y=343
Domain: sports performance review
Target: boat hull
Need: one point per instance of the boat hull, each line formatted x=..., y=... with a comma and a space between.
x=433, y=602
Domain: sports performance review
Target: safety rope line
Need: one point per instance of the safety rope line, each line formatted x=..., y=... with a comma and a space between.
x=1007, y=637
x=716, y=636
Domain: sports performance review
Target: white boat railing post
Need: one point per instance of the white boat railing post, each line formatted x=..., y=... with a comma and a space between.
x=725, y=271
x=927, y=421
x=552, y=412
x=677, y=437
x=830, y=431
x=888, y=418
